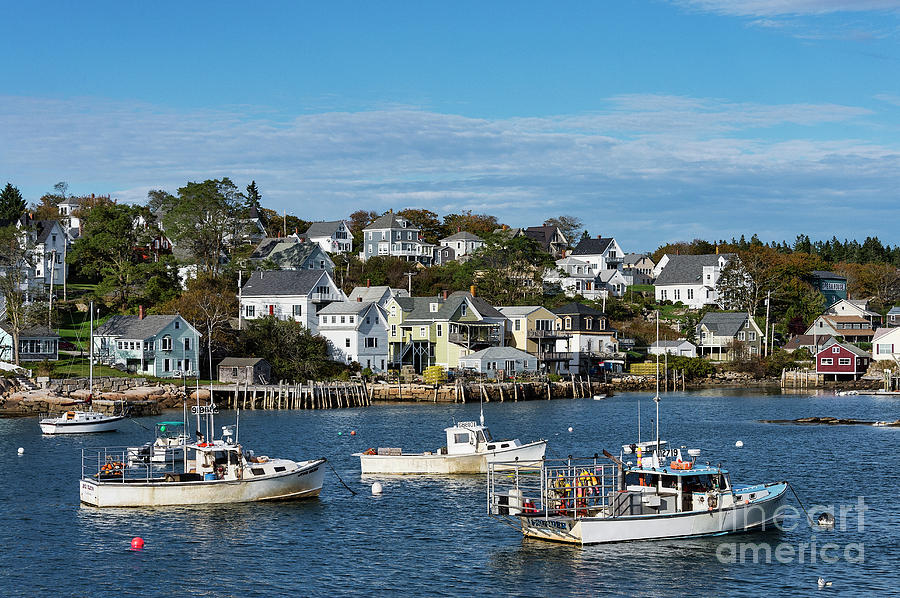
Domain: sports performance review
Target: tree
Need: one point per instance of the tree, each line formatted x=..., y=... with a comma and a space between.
x=12, y=205
x=14, y=264
x=509, y=271
x=359, y=220
x=568, y=225
x=279, y=225
x=204, y=219
x=477, y=224
x=426, y=221
x=747, y=278
x=292, y=350
x=109, y=250
x=253, y=196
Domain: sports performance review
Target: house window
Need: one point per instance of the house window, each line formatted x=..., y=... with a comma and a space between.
x=741, y=335
x=662, y=294
x=352, y=319
x=835, y=349
x=250, y=311
x=518, y=324
x=393, y=311
x=393, y=330
x=187, y=365
x=751, y=336
x=677, y=294
x=177, y=324
x=588, y=323
x=462, y=309
x=187, y=344
x=167, y=365
x=432, y=307
x=884, y=349
x=343, y=319
x=119, y=344
x=371, y=342
x=321, y=264
x=423, y=331
x=844, y=361
x=298, y=310
x=440, y=329
x=347, y=342
x=568, y=323
x=334, y=319
x=827, y=361
x=165, y=344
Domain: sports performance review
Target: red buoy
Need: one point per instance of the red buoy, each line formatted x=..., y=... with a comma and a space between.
x=137, y=543
x=352, y=432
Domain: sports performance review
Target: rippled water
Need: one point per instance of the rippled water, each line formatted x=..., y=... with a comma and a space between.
x=431, y=536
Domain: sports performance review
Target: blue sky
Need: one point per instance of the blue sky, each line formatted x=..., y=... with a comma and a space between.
x=652, y=120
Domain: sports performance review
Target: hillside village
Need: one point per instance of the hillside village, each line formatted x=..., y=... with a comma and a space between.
x=209, y=283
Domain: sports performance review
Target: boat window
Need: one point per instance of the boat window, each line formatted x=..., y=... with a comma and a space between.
x=280, y=468
x=670, y=481
x=491, y=447
x=480, y=436
x=504, y=445
x=461, y=438
x=258, y=471
x=487, y=435
x=700, y=483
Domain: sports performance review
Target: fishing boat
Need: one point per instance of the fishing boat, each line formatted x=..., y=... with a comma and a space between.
x=79, y=422
x=470, y=449
x=214, y=471
x=171, y=438
x=664, y=494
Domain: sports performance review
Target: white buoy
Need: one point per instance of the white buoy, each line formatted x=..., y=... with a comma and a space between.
x=739, y=444
x=21, y=451
x=823, y=583
x=377, y=489
x=570, y=428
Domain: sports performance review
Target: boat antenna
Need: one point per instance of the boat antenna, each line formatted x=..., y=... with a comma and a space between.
x=91, y=361
x=481, y=418
x=198, y=404
x=656, y=398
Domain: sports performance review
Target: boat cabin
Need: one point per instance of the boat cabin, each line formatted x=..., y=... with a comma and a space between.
x=465, y=437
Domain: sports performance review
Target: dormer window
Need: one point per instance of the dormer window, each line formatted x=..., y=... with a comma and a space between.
x=568, y=323
x=433, y=307
x=462, y=309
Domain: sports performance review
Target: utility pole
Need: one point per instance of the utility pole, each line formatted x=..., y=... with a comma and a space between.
x=50, y=309
x=766, y=334
x=240, y=308
x=409, y=276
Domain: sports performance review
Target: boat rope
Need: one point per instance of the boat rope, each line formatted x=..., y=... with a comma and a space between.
x=800, y=502
x=131, y=419
x=339, y=478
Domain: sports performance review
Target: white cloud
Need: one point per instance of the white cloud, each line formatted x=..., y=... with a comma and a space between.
x=768, y=8
x=693, y=166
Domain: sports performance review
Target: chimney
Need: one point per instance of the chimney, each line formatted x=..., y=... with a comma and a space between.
x=599, y=236
x=717, y=249
x=368, y=282
x=359, y=299
x=446, y=294
x=472, y=290
x=140, y=312
x=505, y=227
x=459, y=229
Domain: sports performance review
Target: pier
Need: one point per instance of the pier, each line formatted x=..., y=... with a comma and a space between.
x=286, y=395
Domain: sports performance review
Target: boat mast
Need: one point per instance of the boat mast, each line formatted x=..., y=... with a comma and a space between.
x=91, y=360
x=656, y=398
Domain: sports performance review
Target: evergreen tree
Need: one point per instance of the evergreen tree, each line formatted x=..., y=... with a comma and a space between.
x=253, y=196
x=12, y=205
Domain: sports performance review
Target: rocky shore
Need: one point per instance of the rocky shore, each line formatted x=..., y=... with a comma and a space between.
x=832, y=421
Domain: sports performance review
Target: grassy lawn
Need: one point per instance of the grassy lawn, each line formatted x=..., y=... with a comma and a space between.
x=78, y=367
x=75, y=327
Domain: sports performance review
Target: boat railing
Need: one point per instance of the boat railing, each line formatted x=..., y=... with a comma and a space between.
x=123, y=464
x=582, y=487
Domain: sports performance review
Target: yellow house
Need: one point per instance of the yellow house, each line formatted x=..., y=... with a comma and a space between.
x=534, y=329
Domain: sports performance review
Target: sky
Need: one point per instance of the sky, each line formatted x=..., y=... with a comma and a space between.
x=651, y=120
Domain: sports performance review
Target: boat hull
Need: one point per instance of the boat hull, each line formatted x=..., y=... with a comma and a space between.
x=759, y=514
x=51, y=426
x=303, y=482
x=473, y=463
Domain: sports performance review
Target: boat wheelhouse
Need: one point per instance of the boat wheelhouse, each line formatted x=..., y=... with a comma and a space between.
x=469, y=449
x=603, y=499
x=171, y=438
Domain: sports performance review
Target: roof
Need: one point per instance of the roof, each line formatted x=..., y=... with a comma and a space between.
x=290, y=251
x=33, y=332
x=688, y=269
x=323, y=229
x=577, y=308
x=543, y=234
x=677, y=343
x=852, y=348
x=724, y=323
x=498, y=354
x=389, y=220
x=238, y=362
x=845, y=319
x=633, y=258
x=345, y=307
x=826, y=274
x=463, y=236
x=592, y=246
x=420, y=307
x=282, y=282
x=44, y=227
x=608, y=274
x=894, y=311
x=374, y=293
x=135, y=327
x=518, y=311
x=807, y=340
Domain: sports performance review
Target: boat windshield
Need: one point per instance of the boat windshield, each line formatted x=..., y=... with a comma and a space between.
x=169, y=429
x=484, y=435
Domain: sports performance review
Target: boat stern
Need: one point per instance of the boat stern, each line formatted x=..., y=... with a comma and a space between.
x=88, y=492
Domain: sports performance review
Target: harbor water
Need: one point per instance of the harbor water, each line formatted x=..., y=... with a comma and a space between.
x=430, y=536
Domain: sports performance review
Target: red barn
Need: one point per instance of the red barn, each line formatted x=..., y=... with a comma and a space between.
x=842, y=361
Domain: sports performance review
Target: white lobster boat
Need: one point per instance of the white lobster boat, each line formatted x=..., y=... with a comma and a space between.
x=586, y=501
x=80, y=422
x=470, y=449
x=212, y=472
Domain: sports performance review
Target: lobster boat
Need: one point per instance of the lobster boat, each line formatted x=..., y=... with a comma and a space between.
x=79, y=422
x=665, y=494
x=470, y=449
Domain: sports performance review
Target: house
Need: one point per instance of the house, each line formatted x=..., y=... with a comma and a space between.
x=392, y=235
x=426, y=331
x=893, y=317
x=499, y=362
x=574, y=277
x=46, y=243
x=245, y=370
x=591, y=339
x=613, y=281
x=291, y=253
x=691, y=279
x=637, y=268
x=462, y=243
x=248, y=230
x=70, y=219
x=550, y=238
x=356, y=331
x=855, y=307
x=603, y=252
x=378, y=294
x=38, y=343
x=333, y=236
x=832, y=286
x=680, y=347
x=853, y=329
x=886, y=344
x=810, y=342
x=289, y=295
x=532, y=328
x=842, y=361
x=443, y=255
x=727, y=336
x=164, y=346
